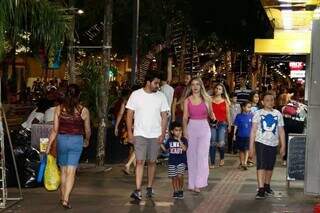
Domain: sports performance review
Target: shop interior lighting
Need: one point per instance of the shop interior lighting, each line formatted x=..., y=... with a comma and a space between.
x=285, y=5
x=287, y=19
x=293, y=1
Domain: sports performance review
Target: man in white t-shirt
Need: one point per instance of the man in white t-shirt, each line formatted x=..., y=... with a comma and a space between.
x=149, y=107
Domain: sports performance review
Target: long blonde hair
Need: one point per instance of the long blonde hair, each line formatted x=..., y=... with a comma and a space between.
x=224, y=94
x=203, y=93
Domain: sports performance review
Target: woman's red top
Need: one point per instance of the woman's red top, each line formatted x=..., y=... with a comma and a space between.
x=220, y=111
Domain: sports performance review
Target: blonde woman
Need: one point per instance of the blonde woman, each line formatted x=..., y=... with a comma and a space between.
x=196, y=111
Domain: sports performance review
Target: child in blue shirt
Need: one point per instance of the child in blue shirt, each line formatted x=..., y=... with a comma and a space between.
x=176, y=145
x=243, y=124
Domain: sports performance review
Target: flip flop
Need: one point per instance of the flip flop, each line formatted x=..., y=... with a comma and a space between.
x=126, y=171
x=66, y=205
x=197, y=191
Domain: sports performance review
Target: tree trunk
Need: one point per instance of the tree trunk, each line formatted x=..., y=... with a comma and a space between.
x=4, y=83
x=71, y=52
x=107, y=44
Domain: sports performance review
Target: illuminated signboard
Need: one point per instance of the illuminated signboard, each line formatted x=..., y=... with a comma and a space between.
x=297, y=73
x=296, y=65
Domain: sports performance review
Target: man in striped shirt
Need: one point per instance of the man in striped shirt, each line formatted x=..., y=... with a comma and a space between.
x=243, y=94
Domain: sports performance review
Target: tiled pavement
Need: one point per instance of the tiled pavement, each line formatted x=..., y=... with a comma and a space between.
x=230, y=190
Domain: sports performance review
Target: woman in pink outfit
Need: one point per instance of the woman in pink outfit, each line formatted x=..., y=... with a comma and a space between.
x=196, y=111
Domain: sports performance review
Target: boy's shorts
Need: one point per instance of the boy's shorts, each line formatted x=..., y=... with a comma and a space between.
x=266, y=156
x=175, y=170
x=242, y=143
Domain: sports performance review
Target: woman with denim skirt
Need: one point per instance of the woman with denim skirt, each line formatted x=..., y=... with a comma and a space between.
x=71, y=128
x=220, y=107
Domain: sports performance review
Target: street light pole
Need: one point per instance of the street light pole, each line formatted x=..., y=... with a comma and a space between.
x=135, y=40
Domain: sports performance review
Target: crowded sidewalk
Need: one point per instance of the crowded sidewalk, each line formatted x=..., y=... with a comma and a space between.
x=230, y=190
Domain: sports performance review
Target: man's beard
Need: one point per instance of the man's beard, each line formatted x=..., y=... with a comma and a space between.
x=155, y=89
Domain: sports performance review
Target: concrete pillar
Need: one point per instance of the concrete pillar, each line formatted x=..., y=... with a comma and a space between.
x=307, y=82
x=312, y=167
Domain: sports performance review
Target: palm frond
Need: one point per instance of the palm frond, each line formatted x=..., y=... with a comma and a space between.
x=6, y=15
x=48, y=22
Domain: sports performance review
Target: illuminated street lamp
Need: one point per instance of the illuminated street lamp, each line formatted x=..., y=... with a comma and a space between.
x=80, y=12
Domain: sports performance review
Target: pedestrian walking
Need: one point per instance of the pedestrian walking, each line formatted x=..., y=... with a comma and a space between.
x=242, y=92
x=255, y=106
x=197, y=110
x=167, y=90
x=176, y=145
x=120, y=130
x=266, y=134
x=283, y=98
x=243, y=124
x=235, y=109
x=220, y=107
x=255, y=101
x=72, y=129
x=178, y=99
x=149, y=108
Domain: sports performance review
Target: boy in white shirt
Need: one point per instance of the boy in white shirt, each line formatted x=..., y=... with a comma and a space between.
x=266, y=133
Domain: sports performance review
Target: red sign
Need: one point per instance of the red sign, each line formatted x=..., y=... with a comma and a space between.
x=296, y=65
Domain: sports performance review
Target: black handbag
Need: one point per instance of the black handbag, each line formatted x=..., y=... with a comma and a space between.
x=213, y=123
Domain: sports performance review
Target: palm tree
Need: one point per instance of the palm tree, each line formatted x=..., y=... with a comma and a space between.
x=48, y=23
